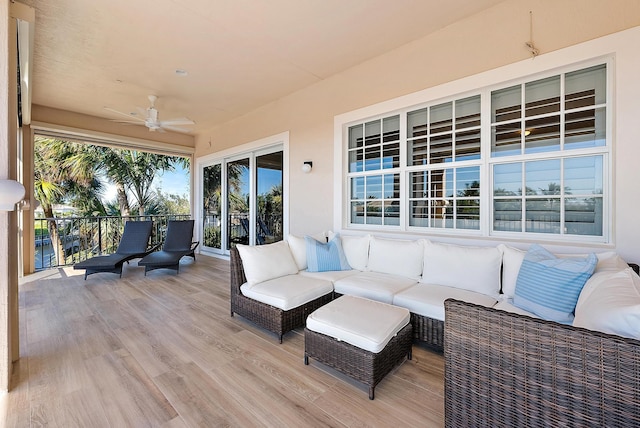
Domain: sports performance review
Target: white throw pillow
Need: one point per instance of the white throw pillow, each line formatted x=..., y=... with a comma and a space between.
x=265, y=262
x=356, y=248
x=298, y=248
x=512, y=259
x=610, y=302
x=396, y=257
x=469, y=268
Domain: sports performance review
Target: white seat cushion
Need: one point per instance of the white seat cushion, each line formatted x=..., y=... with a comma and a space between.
x=373, y=285
x=363, y=323
x=428, y=300
x=287, y=292
x=332, y=275
x=507, y=306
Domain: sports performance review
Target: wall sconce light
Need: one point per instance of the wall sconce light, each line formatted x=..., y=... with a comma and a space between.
x=306, y=166
x=11, y=192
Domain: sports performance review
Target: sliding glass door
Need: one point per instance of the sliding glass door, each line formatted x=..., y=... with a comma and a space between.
x=243, y=200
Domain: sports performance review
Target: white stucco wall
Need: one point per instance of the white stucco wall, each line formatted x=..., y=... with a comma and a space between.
x=484, y=49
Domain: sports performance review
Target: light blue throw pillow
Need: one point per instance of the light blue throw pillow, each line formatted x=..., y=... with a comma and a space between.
x=323, y=257
x=549, y=286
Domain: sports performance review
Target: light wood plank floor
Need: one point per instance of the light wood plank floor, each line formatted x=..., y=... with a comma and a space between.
x=162, y=350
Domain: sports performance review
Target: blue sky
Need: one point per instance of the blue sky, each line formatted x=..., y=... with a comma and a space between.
x=171, y=182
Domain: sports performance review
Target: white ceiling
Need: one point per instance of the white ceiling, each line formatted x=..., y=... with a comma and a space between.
x=239, y=54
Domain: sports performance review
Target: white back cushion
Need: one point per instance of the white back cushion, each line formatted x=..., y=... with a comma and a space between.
x=610, y=302
x=265, y=262
x=470, y=268
x=356, y=248
x=396, y=257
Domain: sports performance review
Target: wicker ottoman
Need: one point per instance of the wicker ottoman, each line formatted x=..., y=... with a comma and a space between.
x=360, y=338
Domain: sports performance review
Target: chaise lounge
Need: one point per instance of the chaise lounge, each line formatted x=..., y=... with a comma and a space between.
x=133, y=245
x=178, y=243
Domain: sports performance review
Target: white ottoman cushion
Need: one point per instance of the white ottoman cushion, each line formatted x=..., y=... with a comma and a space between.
x=287, y=292
x=373, y=285
x=363, y=323
x=428, y=300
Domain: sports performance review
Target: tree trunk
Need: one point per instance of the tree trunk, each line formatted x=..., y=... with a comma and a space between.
x=123, y=201
x=52, y=225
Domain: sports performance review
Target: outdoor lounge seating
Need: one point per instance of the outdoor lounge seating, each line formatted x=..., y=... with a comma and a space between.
x=133, y=245
x=178, y=243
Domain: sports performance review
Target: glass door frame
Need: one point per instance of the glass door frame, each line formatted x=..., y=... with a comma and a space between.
x=272, y=144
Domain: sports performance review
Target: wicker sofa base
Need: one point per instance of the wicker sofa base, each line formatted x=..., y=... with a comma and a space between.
x=358, y=364
x=275, y=319
x=428, y=330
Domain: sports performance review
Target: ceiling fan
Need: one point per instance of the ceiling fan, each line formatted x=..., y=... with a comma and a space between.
x=151, y=119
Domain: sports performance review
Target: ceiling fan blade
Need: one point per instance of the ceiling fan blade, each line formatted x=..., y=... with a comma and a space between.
x=175, y=129
x=131, y=117
x=127, y=122
x=179, y=121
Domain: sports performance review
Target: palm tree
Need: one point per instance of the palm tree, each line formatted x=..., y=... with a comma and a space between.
x=60, y=171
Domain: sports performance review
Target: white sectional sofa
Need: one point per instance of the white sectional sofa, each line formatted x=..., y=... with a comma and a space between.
x=418, y=275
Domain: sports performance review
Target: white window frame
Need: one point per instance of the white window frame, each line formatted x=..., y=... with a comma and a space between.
x=486, y=83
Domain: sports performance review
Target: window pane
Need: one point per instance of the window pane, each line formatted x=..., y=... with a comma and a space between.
x=238, y=202
x=542, y=96
x=542, y=135
x=507, y=179
x=374, y=187
x=392, y=186
x=357, y=188
x=211, y=205
x=420, y=184
x=372, y=158
x=506, y=140
x=442, y=214
x=543, y=215
x=468, y=214
x=391, y=128
x=468, y=182
x=468, y=145
x=440, y=149
x=419, y=214
x=543, y=177
x=586, y=128
x=441, y=183
x=269, y=213
x=357, y=212
x=392, y=213
x=583, y=216
x=583, y=175
x=468, y=112
x=586, y=87
x=506, y=104
x=418, y=152
x=391, y=155
x=374, y=212
x=372, y=133
x=356, y=163
x=417, y=123
x=507, y=215
x=355, y=136
x=441, y=118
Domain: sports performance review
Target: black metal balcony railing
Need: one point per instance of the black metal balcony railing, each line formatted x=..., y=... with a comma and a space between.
x=80, y=238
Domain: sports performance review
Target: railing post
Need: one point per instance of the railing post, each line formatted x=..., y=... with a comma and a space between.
x=100, y=235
